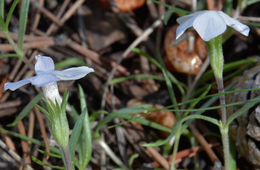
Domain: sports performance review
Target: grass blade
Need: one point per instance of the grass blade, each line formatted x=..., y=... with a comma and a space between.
x=70, y=62
x=9, y=15
x=31, y=140
x=77, y=130
x=34, y=159
x=2, y=10
x=23, y=22
x=85, y=140
x=137, y=76
x=27, y=109
x=245, y=108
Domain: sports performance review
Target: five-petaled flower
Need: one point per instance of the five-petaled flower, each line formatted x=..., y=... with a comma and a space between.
x=209, y=24
x=46, y=77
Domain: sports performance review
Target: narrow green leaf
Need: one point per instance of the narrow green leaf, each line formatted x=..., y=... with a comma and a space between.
x=2, y=10
x=250, y=2
x=242, y=110
x=179, y=11
x=76, y=132
x=85, y=140
x=137, y=76
x=54, y=155
x=64, y=102
x=27, y=109
x=34, y=159
x=169, y=86
x=167, y=16
x=68, y=62
x=132, y=158
x=152, y=60
x=202, y=117
x=74, y=114
x=31, y=140
x=128, y=110
x=198, y=100
x=8, y=55
x=44, y=111
x=180, y=122
x=9, y=15
x=23, y=22
x=229, y=67
x=83, y=103
x=94, y=115
x=142, y=121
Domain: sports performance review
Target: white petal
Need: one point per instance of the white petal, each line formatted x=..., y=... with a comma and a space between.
x=43, y=79
x=186, y=22
x=15, y=85
x=209, y=25
x=183, y=19
x=184, y=26
x=44, y=64
x=73, y=73
x=242, y=28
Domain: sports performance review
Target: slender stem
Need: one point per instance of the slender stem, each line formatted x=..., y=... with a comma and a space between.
x=66, y=158
x=175, y=149
x=226, y=148
x=222, y=100
x=217, y=62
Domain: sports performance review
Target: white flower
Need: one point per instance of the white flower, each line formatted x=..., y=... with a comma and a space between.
x=46, y=77
x=209, y=24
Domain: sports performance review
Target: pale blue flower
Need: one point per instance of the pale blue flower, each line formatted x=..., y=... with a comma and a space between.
x=46, y=74
x=209, y=24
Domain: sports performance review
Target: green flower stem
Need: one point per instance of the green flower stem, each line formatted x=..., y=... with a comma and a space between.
x=217, y=63
x=226, y=148
x=176, y=145
x=66, y=158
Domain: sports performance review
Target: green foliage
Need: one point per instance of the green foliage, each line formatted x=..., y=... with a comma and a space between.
x=72, y=61
x=4, y=26
x=81, y=136
x=56, y=115
x=27, y=109
x=39, y=162
x=23, y=22
x=31, y=140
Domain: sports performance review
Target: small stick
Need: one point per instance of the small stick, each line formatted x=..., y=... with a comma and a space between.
x=158, y=157
x=9, y=104
x=25, y=145
x=42, y=129
x=213, y=157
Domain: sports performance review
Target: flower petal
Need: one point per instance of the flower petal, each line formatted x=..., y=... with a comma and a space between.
x=186, y=22
x=43, y=79
x=184, y=26
x=242, y=28
x=44, y=64
x=15, y=85
x=184, y=18
x=209, y=25
x=73, y=73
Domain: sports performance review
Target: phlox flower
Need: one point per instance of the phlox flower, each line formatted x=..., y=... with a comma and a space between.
x=46, y=77
x=209, y=24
